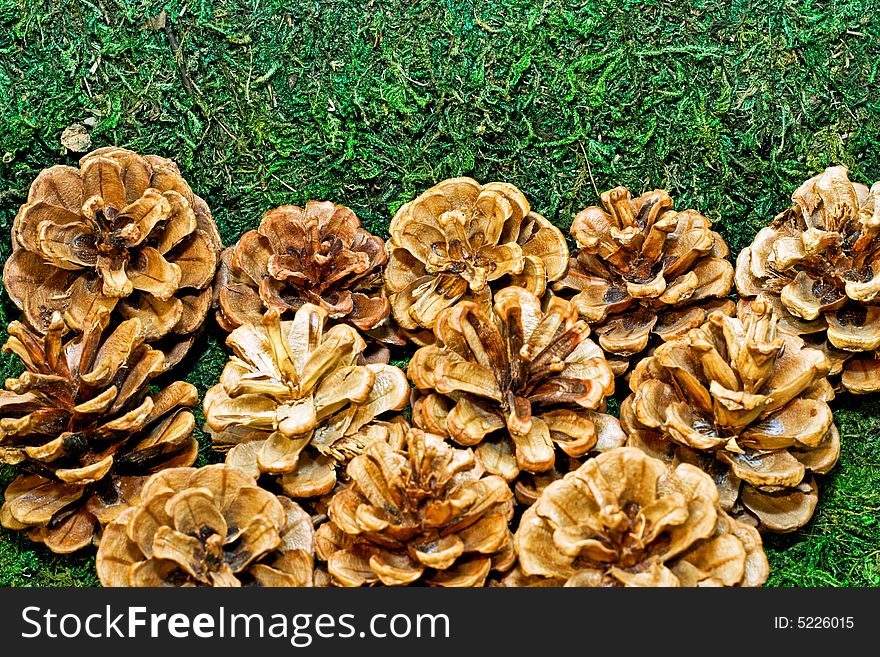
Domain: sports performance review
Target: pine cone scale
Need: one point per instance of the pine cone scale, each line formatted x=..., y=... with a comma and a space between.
x=33, y=500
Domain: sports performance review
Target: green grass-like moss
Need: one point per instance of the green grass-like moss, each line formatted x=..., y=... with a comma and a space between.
x=729, y=105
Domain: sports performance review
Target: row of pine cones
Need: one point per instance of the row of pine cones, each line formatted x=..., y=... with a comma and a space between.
x=491, y=460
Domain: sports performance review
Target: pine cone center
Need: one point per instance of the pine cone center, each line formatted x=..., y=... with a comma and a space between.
x=461, y=253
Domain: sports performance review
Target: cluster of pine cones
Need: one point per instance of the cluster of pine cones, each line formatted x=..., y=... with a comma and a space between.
x=490, y=460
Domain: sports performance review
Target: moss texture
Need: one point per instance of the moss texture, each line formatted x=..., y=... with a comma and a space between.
x=729, y=105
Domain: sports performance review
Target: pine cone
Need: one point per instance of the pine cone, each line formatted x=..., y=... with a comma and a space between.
x=626, y=519
x=517, y=385
x=210, y=526
x=461, y=240
x=425, y=513
x=318, y=255
x=122, y=232
x=819, y=263
x=746, y=403
x=644, y=273
x=83, y=425
x=293, y=402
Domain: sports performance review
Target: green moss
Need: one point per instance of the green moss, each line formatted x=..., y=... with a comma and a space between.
x=729, y=105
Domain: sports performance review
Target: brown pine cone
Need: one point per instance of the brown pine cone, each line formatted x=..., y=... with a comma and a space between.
x=210, y=526
x=644, y=273
x=85, y=429
x=460, y=241
x=423, y=514
x=746, y=403
x=124, y=233
x=318, y=255
x=627, y=519
x=517, y=384
x=293, y=402
x=818, y=263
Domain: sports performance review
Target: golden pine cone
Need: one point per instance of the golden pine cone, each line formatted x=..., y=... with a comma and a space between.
x=83, y=426
x=818, y=263
x=644, y=273
x=319, y=255
x=515, y=384
x=122, y=232
x=460, y=241
x=293, y=402
x=747, y=403
x=210, y=526
x=419, y=513
x=627, y=519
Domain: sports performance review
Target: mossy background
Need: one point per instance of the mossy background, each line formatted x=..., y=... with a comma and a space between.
x=729, y=105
